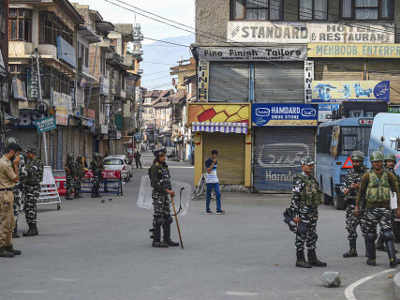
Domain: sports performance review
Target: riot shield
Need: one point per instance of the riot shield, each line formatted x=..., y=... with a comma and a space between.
x=183, y=195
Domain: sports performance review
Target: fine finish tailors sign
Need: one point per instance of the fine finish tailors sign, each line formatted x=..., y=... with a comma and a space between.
x=253, y=53
x=298, y=33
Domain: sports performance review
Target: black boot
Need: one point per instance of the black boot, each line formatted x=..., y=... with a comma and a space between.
x=32, y=231
x=301, y=260
x=12, y=250
x=353, y=249
x=167, y=235
x=366, y=246
x=371, y=250
x=5, y=253
x=157, y=237
x=380, y=244
x=15, y=234
x=391, y=253
x=313, y=259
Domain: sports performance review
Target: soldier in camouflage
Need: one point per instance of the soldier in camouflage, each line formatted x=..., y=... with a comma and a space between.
x=161, y=182
x=350, y=189
x=374, y=196
x=390, y=163
x=69, y=173
x=19, y=195
x=306, y=197
x=34, y=170
x=97, y=167
x=79, y=173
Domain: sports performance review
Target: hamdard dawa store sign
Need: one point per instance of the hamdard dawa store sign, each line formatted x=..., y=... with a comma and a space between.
x=298, y=33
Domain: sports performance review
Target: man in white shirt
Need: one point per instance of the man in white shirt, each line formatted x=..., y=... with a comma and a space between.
x=213, y=182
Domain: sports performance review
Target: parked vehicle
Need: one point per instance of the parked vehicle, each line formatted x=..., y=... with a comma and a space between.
x=121, y=163
x=336, y=140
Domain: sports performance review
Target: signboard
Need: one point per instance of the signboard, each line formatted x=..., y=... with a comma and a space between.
x=203, y=75
x=61, y=116
x=280, y=114
x=302, y=33
x=360, y=90
x=18, y=89
x=61, y=100
x=354, y=50
x=104, y=86
x=66, y=52
x=46, y=124
x=252, y=54
x=394, y=109
x=308, y=79
x=219, y=113
x=326, y=112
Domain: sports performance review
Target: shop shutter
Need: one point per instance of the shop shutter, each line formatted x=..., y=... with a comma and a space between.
x=339, y=69
x=231, y=158
x=386, y=70
x=277, y=155
x=229, y=82
x=279, y=82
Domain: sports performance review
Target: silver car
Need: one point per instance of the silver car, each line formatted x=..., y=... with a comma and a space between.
x=119, y=163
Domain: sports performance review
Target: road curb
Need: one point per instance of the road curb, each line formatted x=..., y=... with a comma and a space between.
x=396, y=286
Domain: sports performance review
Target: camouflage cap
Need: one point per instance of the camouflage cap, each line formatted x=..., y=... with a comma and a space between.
x=357, y=155
x=376, y=156
x=307, y=161
x=390, y=157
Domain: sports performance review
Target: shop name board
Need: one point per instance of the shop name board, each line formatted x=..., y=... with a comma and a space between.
x=354, y=50
x=266, y=114
x=46, y=124
x=66, y=52
x=298, y=33
x=360, y=90
x=203, y=76
x=253, y=54
x=326, y=112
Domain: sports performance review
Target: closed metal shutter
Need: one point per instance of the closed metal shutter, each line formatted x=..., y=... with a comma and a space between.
x=277, y=155
x=386, y=70
x=229, y=82
x=339, y=70
x=231, y=148
x=279, y=82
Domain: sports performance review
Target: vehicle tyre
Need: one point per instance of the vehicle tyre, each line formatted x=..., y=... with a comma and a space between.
x=338, y=202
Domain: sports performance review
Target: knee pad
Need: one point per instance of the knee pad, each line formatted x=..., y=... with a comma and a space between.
x=371, y=236
x=388, y=236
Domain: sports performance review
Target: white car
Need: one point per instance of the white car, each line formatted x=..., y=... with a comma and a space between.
x=119, y=163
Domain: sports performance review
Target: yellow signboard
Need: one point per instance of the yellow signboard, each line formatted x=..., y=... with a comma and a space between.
x=353, y=50
x=234, y=113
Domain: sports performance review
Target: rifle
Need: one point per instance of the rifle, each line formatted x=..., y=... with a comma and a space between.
x=177, y=222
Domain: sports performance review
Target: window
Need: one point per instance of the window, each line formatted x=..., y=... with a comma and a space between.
x=51, y=27
x=86, y=57
x=367, y=9
x=324, y=139
x=354, y=138
x=313, y=10
x=256, y=9
x=20, y=24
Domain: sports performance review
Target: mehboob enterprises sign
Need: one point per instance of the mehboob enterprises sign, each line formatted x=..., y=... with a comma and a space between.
x=252, y=53
x=299, y=33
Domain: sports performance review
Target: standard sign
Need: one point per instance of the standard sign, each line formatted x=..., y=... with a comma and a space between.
x=354, y=50
x=252, y=54
x=299, y=33
x=46, y=124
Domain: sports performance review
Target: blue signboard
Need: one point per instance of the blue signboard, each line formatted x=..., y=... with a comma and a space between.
x=66, y=52
x=281, y=114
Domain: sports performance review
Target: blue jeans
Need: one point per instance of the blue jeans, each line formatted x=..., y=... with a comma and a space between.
x=215, y=187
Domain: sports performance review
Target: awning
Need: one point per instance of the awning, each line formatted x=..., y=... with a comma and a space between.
x=224, y=127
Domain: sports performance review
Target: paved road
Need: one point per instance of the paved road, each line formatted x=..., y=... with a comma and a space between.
x=101, y=251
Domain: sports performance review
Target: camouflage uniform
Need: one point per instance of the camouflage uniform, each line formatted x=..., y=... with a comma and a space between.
x=69, y=173
x=96, y=166
x=306, y=197
x=34, y=169
x=375, y=197
x=79, y=173
x=19, y=195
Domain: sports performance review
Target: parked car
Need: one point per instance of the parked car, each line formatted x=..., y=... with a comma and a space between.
x=119, y=163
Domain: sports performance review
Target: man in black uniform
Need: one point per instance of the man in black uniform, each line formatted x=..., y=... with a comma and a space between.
x=161, y=182
x=306, y=197
x=350, y=188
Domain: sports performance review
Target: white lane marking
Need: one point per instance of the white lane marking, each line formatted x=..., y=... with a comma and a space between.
x=65, y=279
x=349, y=291
x=241, y=294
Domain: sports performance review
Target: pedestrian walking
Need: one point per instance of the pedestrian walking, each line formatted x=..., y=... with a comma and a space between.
x=34, y=169
x=137, y=156
x=96, y=166
x=350, y=188
x=19, y=194
x=306, y=197
x=374, y=196
x=161, y=183
x=70, y=176
x=390, y=163
x=212, y=183
x=9, y=164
